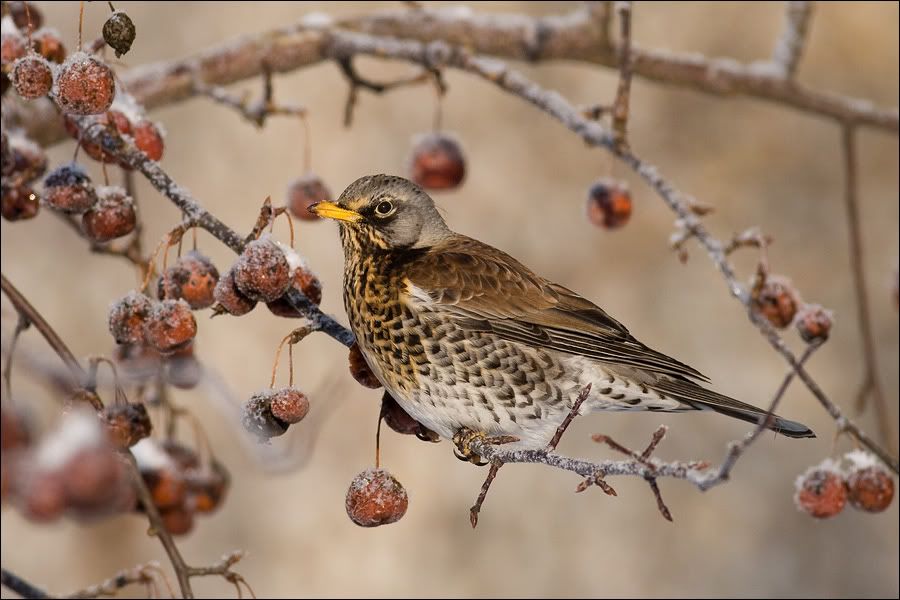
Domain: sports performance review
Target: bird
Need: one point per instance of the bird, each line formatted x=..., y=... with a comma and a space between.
x=469, y=341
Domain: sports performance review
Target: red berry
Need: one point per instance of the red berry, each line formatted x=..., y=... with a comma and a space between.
x=48, y=44
x=18, y=203
x=69, y=189
x=170, y=326
x=376, y=498
x=178, y=521
x=821, y=491
x=193, y=277
x=229, y=297
x=813, y=323
x=289, y=405
x=126, y=424
x=43, y=497
x=14, y=431
x=24, y=17
x=128, y=316
x=306, y=282
x=32, y=77
x=207, y=487
x=112, y=217
x=93, y=477
x=437, y=162
x=262, y=272
x=776, y=300
x=85, y=85
x=360, y=370
x=269, y=413
x=148, y=139
x=609, y=203
x=119, y=32
x=13, y=46
x=399, y=420
x=113, y=122
x=869, y=485
x=303, y=192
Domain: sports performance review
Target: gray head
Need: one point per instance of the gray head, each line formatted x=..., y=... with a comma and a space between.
x=386, y=212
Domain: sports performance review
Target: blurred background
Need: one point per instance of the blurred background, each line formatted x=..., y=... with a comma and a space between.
x=757, y=163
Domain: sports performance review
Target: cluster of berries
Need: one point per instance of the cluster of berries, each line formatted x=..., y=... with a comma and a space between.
x=824, y=490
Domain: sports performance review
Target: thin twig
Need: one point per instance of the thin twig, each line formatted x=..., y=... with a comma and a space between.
x=623, y=92
x=21, y=325
x=574, y=412
x=789, y=47
x=21, y=587
x=476, y=508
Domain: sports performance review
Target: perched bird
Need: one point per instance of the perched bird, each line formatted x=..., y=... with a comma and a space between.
x=467, y=338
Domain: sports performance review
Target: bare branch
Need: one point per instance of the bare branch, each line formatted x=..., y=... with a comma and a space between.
x=623, y=92
x=789, y=47
x=21, y=587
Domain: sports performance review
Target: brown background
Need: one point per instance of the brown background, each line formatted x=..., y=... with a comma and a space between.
x=757, y=163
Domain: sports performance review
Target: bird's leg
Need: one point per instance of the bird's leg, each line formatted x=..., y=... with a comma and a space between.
x=464, y=437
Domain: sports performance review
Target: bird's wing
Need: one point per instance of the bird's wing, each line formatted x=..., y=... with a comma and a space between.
x=484, y=289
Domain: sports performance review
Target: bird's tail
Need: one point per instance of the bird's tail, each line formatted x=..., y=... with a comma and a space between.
x=701, y=398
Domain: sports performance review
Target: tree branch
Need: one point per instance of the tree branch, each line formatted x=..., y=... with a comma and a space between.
x=18, y=585
x=789, y=48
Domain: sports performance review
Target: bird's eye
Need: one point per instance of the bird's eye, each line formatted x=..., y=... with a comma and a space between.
x=384, y=208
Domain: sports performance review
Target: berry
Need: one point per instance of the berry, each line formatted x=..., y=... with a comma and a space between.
x=269, y=413
x=126, y=424
x=119, y=32
x=28, y=160
x=376, y=498
x=7, y=161
x=192, y=278
x=821, y=491
x=18, y=203
x=113, y=122
x=112, y=217
x=399, y=420
x=289, y=405
x=85, y=85
x=776, y=300
x=303, y=192
x=306, y=282
x=48, y=44
x=32, y=77
x=869, y=486
x=170, y=326
x=22, y=16
x=14, y=430
x=207, y=488
x=128, y=316
x=229, y=297
x=148, y=139
x=262, y=272
x=183, y=370
x=609, y=203
x=43, y=497
x=813, y=323
x=360, y=370
x=13, y=46
x=92, y=478
x=178, y=521
x=69, y=189
x=437, y=162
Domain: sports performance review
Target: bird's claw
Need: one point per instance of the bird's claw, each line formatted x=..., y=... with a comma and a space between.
x=464, y=438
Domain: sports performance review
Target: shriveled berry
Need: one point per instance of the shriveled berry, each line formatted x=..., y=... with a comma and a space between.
x=289, y=405
x=193, y=277
x=183, y=370
x=127, y=317
x=437, y=162
x=262, y=272
x=776, y=300
x=376, y=498
x=229, y=297
x=92, y=478
x=178, y=521
x=303, y=192
x=85, y=85
x=304, y=281
x=24, y=16
x=360, y=370
x=13, y=46
x=32, y=77
x=820, y=491
x=18, y=202
x=257, y=417
x=869, y=485
x=48, y=44
x=119, y=32
x=113, y=216
x=813, y=323
x=148, y=138
x=170, y=326
x=126, y=423
x=609, y=203
x=69, y=189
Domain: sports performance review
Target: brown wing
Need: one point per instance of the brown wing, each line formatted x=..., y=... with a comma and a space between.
x=485, y=289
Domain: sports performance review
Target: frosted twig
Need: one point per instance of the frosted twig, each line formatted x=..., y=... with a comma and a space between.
x=789, y=47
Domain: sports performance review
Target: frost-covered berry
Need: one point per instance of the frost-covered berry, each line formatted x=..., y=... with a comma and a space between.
x=24, y=162
x=193, y=277
x=776, y=300
x=303, y=192
x=13, y=46
x=229, y=298
x=170, y=326
x=269, y=413
x=127, y=317
x=69, y=189
x=609, y=203
x=113, y=122
x=24, y=16
x=113, y=216
x=32, y=77
x=437, y=162
x=305, y=281
x=376, y=498
x=85, y=85
x=820, y=491
x=119, y=32
x=48, y=44
x=148, y=138
x=813, y=323
x=869, y=485
x=262, y=272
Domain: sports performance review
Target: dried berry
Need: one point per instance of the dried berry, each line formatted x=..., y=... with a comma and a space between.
x=48, y=44
x=776, y=300
x=126, y=424
x=609, y=203
x=85, y=85
x=303, y=192
x=360, y=370
x=119, y=32
x=24, y=14
x=262, y=272
x=183, y=370
x=128, y=316
x=193, y=277
x=13, y=46
x=69, y=189
x=18, y=202
x=821, y=491
x=304, y=281
x=376, y=498
x=112, y=217
x=813, y=323
x=170, y=326
x=229, y=297
x=148, y=138
x=259, y=412
x=32, y=77
x=869, y=485
x=437, y=162
x=289, y=405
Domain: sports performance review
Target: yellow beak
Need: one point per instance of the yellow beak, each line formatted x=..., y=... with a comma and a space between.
x=330, y=210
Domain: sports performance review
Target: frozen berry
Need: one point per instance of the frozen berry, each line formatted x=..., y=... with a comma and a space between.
x=170, y=326
x=360, y=370
x=259, y=412
x=18, y=202
x=24, y=14
x=119, y=32
x=262, y=272
x=148, y=138
x=113, y=123
x=32, y=77
x=28, y=161
x=609, y=203
x=85, y=85
x=437, y=162
x=178, y=521
x=193, y=277
x=48, y=44
x=126, y=423
x=183, y=370
x=289, y=405
x=869, y=485
x=304, y=281
x=229, y=297
x=376, y=498
x=128, y=316
x=813, y=323
x=112, y=217
x=776, y=300
x=13, y=46
x=69, y=189
x=821, y=491
x=303, y=192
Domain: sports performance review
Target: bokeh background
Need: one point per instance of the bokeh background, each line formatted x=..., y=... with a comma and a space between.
x=757, y=163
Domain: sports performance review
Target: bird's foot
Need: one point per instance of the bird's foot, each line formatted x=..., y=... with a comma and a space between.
x=464, y=438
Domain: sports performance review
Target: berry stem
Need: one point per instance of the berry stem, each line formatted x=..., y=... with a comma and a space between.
x=80, y=22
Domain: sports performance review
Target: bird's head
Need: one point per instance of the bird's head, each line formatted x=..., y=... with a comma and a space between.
x=385, y=212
